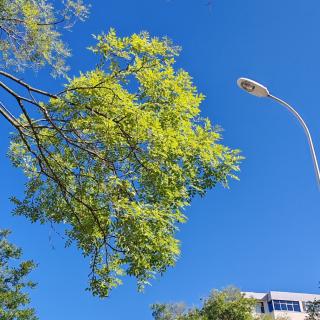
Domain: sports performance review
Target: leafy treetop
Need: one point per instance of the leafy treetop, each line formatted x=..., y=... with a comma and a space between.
x=118, y=155
x=313, y=310
x=14, y=301
x=227, y=304
x=30, y=32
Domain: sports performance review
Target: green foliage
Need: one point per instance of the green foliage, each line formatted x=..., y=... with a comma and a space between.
x=228, y=304
x=30, y=35
x=168, y=311
x=118, y=155
x=13, y=299
x=313, y=310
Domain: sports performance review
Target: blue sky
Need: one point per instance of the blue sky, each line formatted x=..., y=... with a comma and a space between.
x=262, y=233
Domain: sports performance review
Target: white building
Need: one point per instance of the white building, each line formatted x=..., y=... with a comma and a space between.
x=279, y=304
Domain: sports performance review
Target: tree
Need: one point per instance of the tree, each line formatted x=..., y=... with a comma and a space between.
x=117, y=155
x=13, y=299
x=30, y=32
x=227, y=304
x=313, y=310
x=168, y=311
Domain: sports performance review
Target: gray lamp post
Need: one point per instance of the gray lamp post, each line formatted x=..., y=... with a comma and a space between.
x=261, y=91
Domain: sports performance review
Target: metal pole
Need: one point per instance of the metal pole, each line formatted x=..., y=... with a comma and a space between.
x=306, y=130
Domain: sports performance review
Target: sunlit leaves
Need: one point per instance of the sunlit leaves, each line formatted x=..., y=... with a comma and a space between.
x=227, y=304
x=14, y=301
x=118, y=155
x=31, y=33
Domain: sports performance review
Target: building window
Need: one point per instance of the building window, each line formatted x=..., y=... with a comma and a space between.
x=270, y=306
x=284, y=305
x=260, y=307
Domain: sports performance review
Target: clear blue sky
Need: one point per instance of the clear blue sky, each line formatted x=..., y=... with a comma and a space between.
x=263, y=233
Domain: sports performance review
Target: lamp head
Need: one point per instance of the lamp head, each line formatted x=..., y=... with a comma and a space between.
x=253, y=87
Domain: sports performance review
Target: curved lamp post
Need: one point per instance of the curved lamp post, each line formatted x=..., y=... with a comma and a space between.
x=261, y=91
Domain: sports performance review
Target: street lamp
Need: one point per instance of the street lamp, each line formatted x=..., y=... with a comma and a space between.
x=261, y=91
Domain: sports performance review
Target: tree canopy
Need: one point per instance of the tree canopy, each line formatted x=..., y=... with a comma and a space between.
x=30, y=32
x=118, y=155
x=14, y=301
x=313, y=310
x=227, y=304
